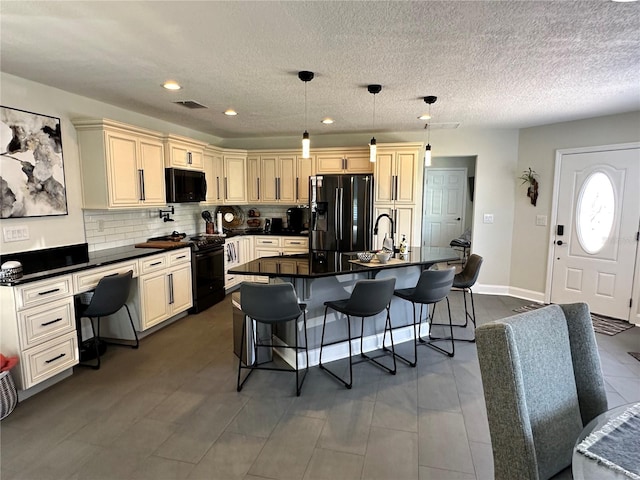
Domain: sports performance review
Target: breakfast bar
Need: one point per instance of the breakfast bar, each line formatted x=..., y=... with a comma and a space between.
x=322, y=276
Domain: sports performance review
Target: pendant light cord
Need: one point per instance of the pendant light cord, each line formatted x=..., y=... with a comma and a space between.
x=374, y=113
x=305, y=106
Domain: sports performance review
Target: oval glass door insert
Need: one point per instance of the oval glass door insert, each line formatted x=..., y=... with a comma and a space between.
x=595, y=212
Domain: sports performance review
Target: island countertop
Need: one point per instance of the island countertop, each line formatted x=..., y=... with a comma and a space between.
x=327, y=264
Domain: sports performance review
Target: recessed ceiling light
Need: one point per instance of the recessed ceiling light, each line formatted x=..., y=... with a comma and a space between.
x=624, y=1
x=171, y=85
x=426, y=116
x=230, y=112
x=327, y=121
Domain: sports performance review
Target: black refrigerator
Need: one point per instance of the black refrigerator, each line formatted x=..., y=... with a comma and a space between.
x=341, y=212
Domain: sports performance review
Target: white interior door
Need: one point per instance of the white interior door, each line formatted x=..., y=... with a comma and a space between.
x=445, y=196
x=599, y=210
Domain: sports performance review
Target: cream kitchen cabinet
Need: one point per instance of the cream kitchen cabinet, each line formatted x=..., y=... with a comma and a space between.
x=121, y=166
x=165, y=286
x=271, y=178
x=39, y=326
x=343, y=161
x=304, y=170
x=404, y=219
x=235, y=177
x=183, y=152
x=213, y=164
x=236, y=252
x=397, y=179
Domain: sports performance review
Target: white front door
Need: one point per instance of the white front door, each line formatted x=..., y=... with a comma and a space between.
x=598, y=210
x=445, y=195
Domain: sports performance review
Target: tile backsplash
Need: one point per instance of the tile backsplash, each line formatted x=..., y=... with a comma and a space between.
x=110, y=229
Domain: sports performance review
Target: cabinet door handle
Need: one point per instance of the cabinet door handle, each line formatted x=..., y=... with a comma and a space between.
x=171, y=289
x=189, y=160
x=297, y=188
x=181, y=256
x=295, y=243
x=396, y=188
x=55, y=358
x=141, y=180
x=258, y=185
x=49, y=291
x=226, y=197
x=218, y=187
x=51, y=322
x=155, y=263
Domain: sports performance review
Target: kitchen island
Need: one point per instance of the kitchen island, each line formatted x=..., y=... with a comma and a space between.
x=321, y=276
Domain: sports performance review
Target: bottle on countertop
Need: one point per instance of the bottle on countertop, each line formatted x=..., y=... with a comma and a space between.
x=403, y=246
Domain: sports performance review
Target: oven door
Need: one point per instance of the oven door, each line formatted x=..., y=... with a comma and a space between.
x=208, y=276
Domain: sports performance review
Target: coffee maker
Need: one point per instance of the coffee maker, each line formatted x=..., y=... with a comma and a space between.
x=295, y=219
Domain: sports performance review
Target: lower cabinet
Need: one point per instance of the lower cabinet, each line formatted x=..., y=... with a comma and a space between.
x=237, y=250
x=277, y=246
x=165, y=287
x=404, y=222
x=39, y=326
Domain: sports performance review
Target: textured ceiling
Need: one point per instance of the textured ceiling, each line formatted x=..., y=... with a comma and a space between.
x=496, y=64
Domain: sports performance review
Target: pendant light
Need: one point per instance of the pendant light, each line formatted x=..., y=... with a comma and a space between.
x=430, y=100
x=373, y=89
x=306, y=142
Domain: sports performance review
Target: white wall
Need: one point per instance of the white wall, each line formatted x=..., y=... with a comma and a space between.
x=537, y=150
x=46, y=232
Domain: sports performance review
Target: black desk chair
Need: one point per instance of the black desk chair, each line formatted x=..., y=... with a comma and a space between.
x=109, y=296
x=369, y=298
x=433, y=286
x=271, y=304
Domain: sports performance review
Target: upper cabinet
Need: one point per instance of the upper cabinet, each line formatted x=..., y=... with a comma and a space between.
x=121, y=166
x=343, y=161
x=183, y=152
x=213, y=164
x=225, y=172
x=278, y=177
x=397, y=173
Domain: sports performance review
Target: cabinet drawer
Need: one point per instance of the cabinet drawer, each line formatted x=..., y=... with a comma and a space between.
x=37, y=293
x=299, y=243
x=88, y=279
x=45, y=322
x=50, y=358
x=182, y=255
x=153, y=263
x=268, y=241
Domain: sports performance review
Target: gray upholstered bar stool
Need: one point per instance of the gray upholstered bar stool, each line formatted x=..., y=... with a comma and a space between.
x=433, y=286
x=271, y=304
x=109, y=296
x=464, y=281
x=369, y=298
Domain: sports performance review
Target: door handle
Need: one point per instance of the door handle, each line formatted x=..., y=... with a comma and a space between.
x=559, y=242
x=218, y=187
x=458, y=219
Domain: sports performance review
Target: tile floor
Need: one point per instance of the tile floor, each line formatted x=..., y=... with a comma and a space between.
x=170, y=410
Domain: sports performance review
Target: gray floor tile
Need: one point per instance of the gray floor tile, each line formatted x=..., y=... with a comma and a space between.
x=332, y=465
x=347, y=427
x=155, y=468
x=482, y=460
x=259, y=416
x=428, y=473
x=391, y=454
x=443, y=441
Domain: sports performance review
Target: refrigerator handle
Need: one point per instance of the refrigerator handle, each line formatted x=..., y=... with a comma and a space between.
x=335, y=214
x=341, y=212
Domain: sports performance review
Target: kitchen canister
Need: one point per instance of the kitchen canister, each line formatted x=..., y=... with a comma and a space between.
x=10, y=271
x=8, y=394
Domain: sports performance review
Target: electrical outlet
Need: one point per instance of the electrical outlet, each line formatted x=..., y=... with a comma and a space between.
x=541, y=220
x=101, y=225
x=15, y=234
x=487, y=218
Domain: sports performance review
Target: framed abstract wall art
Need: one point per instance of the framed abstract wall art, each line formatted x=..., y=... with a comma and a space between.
x=31, y=165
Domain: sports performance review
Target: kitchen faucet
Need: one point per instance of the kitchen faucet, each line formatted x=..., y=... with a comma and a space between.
x=375, y=230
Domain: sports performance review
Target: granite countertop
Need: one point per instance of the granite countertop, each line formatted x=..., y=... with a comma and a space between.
x=326, y=264
x=235, y=233
x=96, y=259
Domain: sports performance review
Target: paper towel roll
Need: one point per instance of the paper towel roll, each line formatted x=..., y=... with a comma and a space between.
x=219, y=222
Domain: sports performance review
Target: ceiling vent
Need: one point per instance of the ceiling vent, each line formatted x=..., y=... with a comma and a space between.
x=444, y=126
x=190, y=104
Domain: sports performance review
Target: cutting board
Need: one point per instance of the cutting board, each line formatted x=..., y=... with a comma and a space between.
x=164, y=244
x=376, y=263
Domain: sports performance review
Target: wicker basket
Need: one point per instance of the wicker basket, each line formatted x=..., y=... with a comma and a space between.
x=8, y=394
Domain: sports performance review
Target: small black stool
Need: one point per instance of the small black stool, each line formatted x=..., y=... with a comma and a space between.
x=271, y=304
x=433, y=286
x=369, y=298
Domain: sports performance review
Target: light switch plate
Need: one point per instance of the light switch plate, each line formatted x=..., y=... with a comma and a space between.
x=541, y=220
x=15, y=234
x=488, y=218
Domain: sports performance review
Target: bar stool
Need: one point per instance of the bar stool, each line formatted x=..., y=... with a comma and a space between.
x=109, y=296
x=369, y=298
x=433, y=286
x=464, y=281
x=271, y=304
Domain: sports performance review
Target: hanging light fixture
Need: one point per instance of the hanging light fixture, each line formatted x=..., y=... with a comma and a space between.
x=373, y=89
x=306, y=142
x=430, y=100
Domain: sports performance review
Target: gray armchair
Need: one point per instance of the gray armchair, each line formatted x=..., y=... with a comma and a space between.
x=542, y=383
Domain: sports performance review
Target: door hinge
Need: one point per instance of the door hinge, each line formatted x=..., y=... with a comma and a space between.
x=630, y=302
x=637, y=236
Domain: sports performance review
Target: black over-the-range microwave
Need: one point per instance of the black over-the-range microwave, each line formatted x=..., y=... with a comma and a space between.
x=185, y=185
